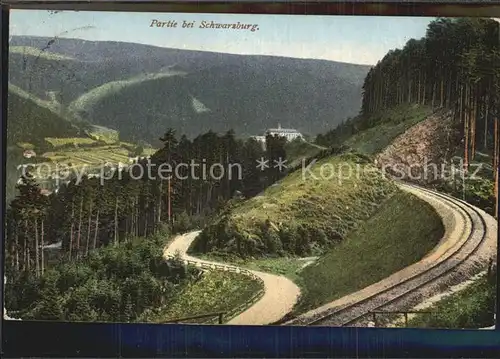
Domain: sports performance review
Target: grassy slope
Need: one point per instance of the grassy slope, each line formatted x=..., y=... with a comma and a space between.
x=472, y=307
x=312, y=201
x=330, y=204
x=479, y=190
x=19, y=92
x=214, y=292
x=399, y=234
x=87, y=158
x=385, y=127
x=77, y=141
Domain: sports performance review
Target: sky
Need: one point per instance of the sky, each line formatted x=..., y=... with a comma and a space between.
x=353, y=39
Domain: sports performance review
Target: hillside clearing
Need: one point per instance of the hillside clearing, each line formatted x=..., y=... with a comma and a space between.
x=104, y=134
x=86, y=101
x=33, y=51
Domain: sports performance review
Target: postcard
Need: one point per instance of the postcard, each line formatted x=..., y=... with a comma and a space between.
x=252, y=169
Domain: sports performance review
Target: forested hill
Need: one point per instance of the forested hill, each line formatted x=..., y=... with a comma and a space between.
x=451, y=75
x=31, y=120
x=455, y=66
x=141, y=90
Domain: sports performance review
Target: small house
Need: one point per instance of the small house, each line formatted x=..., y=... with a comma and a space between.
x=29, y=154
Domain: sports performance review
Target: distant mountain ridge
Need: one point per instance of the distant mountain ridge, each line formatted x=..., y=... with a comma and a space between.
x=96, y=51
x=247, y=93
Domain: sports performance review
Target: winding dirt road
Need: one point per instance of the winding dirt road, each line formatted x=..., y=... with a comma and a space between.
x=279, y=297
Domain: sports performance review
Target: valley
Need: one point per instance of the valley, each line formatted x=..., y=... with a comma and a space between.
x=376, y=206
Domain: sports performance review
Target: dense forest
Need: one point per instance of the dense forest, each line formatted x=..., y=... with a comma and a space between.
x=456, y=67
x=86, y=215
x=115, y=283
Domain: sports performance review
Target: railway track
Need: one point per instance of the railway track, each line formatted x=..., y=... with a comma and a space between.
x=410, y=288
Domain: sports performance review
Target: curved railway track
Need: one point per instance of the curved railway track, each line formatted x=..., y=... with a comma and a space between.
x=411, y=287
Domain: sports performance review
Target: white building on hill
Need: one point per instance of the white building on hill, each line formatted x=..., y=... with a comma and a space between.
x=289, y=133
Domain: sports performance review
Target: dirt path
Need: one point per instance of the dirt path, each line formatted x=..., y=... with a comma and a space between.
x=280, y=295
